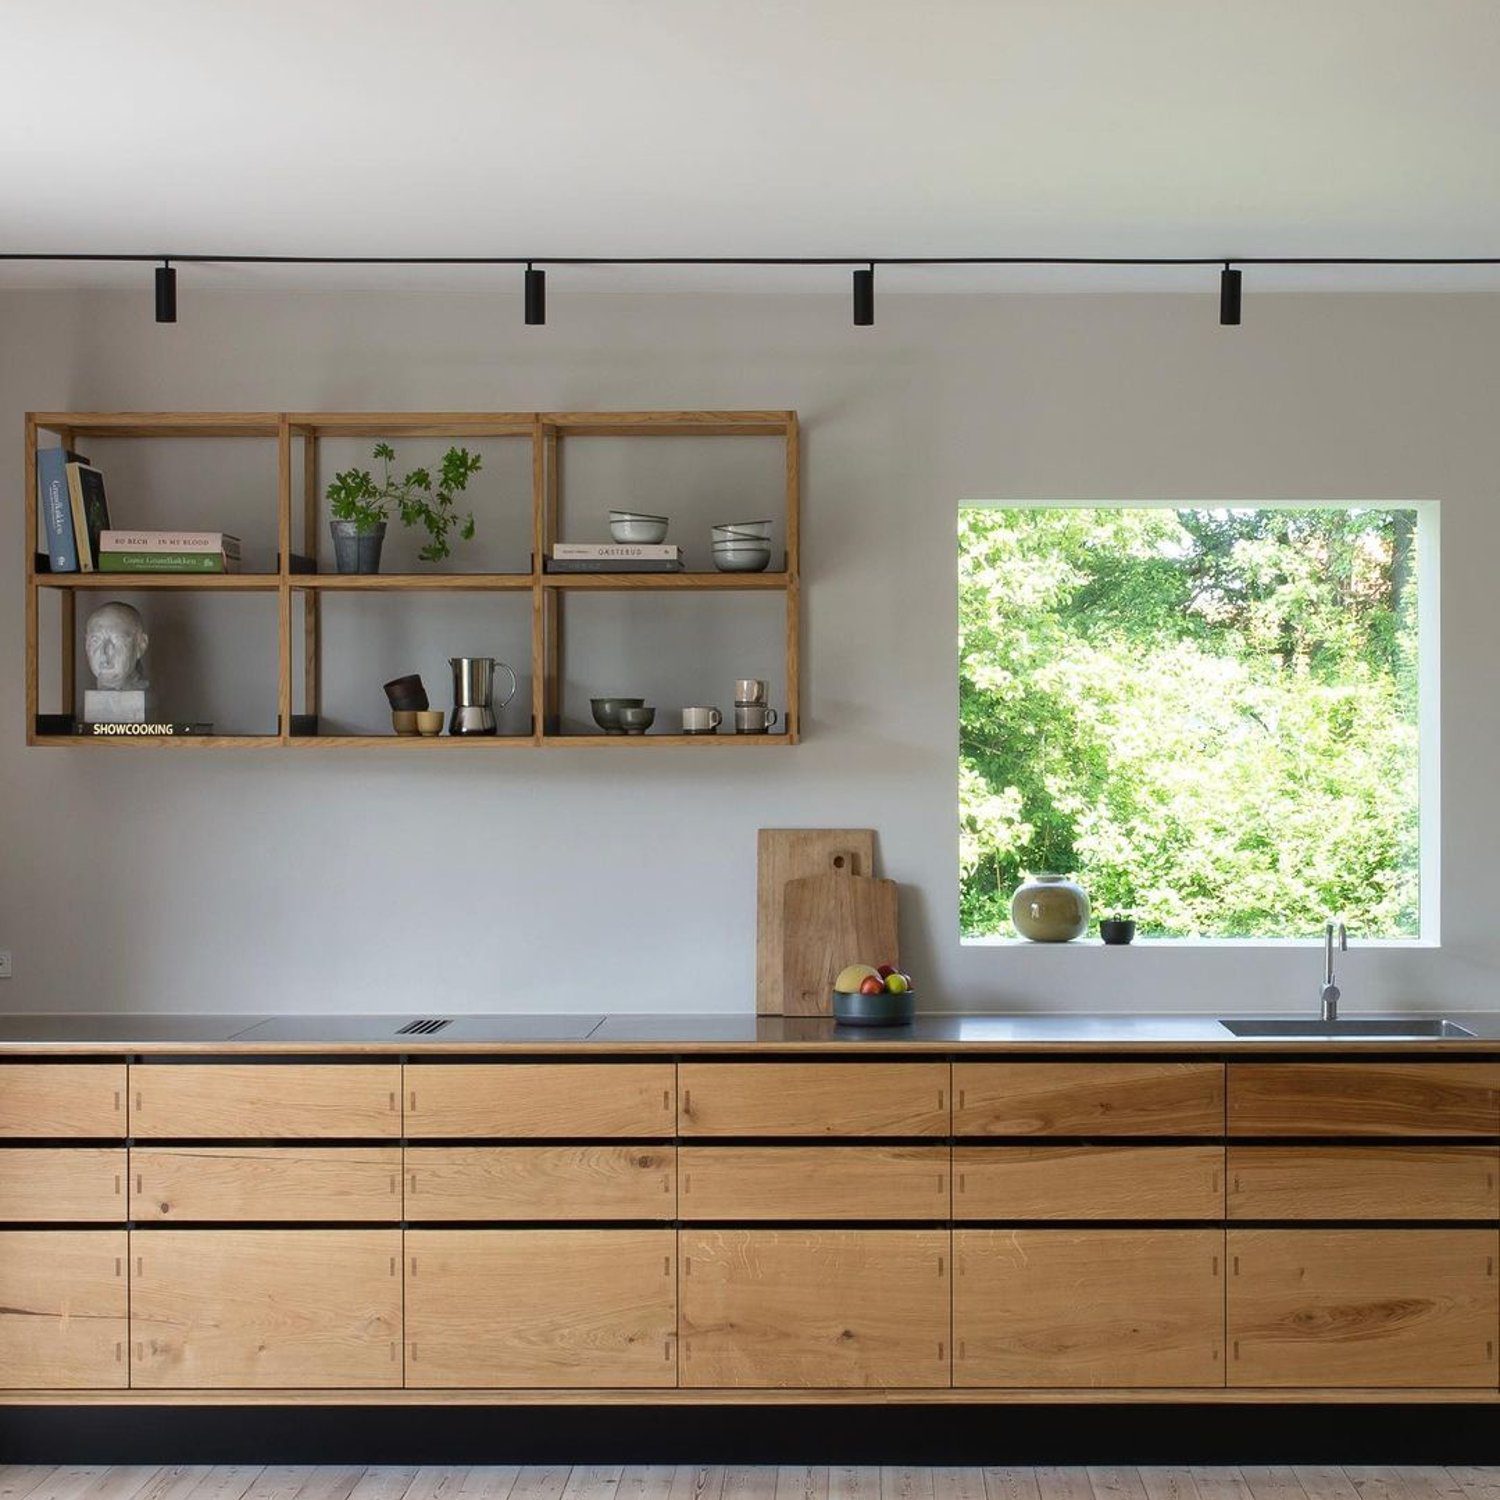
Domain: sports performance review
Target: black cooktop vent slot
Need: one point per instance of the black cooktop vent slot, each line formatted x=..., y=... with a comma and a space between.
x=424, y=1026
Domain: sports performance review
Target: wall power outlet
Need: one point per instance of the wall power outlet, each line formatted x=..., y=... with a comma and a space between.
x=4, y=963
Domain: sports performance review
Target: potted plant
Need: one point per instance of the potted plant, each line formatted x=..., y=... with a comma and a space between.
x=1117, y=929
x=360, y=508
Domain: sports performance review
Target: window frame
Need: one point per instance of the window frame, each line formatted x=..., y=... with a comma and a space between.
x=1429, y=717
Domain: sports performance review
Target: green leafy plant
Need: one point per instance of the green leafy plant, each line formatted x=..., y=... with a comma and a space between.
x=354, y=496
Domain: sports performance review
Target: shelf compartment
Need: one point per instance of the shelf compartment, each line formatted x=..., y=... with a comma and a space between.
x=177, y=741
x=123, y=583
x=433, y=424
x=414, y=742
x=646, y=582
x=671, y=423
x=156, y=424
x=581, y=741
x=413, y=582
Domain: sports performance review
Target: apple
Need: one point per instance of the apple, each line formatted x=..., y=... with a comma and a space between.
x=873, y=985
x=896, y=984
x=852, y=976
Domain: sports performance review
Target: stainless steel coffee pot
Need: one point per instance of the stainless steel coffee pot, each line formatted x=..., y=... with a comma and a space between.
x=473, y=694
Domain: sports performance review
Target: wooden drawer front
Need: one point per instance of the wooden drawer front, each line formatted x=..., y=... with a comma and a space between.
x=813, y=1098
x=1363, y=1307
x=814, y=1307
x=1096, y=1307
x=216, y=1308
x=1047, y=1098
x=270, y=1099
x=541, y=1307
x=63, y=1309
x=226, y=1183
x=1363, y=1099
x=815, y=1182
x=541, y=1182
x=1363, y=1182
x=1088, y=1182
x=62, y=1099
x=540, y=1099
x=83, y=1184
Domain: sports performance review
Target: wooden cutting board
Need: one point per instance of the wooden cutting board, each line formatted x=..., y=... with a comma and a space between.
x=827, y=922
x=784, y=854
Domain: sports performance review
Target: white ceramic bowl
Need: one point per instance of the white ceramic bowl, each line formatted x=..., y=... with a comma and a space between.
x=732, y=558
x=637, y=528
x=732, y=531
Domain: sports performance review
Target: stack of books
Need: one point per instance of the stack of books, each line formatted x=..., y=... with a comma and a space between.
x=169, y=552
x=74, y=511
x=615, y=557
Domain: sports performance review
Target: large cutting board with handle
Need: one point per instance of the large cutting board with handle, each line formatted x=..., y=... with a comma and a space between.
x=827, y=922
x=784, y=854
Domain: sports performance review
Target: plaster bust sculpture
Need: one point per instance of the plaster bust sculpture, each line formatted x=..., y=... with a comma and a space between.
x=114, y=641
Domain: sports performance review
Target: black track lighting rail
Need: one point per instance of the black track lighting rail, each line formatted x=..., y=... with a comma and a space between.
x=535, y=280
x=756, y=260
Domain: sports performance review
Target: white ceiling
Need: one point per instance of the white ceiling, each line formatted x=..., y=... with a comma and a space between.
x=754, y=127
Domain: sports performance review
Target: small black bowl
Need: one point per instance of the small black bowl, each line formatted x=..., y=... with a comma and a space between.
x=1117, y=931
x=406, y=693
x=850, y=1008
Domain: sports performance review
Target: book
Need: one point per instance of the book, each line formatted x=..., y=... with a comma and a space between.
x=612, y=565
x=598, y=551
x=90, y=511
x=135, y=731
x=170, y=541
x=57, y=508
x=167, y=562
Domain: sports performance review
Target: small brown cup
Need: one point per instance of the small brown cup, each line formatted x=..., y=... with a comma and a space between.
x=404, y=720
x=430, y=721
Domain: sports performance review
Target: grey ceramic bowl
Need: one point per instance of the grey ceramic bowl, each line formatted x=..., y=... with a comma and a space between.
x=636, y=719
x=855, y=1009
x=736, y=557
x=607, y=712
x=637, y=529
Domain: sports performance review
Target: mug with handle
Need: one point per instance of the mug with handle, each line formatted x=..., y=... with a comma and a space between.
x=754, y=718
x=701, y=720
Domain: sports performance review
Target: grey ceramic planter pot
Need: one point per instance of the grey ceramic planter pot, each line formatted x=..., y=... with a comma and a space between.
x=356, y=551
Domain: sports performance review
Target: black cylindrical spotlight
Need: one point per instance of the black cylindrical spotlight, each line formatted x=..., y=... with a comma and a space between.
x=536, y=295
x=864, y=297
x=166, y=293
x=1229, y=297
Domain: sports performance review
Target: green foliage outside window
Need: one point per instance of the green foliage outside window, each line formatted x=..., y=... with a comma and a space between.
x=1208, y=715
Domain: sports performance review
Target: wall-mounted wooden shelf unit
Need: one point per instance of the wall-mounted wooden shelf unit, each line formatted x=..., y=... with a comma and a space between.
x=298, y=585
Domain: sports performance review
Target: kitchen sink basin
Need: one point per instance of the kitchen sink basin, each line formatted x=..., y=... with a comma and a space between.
x=1355, y=1028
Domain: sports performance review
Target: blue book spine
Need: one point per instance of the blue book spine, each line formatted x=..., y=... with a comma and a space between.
x=57, y=508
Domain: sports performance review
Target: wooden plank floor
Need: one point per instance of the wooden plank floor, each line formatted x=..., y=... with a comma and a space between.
x=685, y=1482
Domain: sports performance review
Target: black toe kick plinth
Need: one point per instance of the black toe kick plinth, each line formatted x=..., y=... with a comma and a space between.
x=944, y=1435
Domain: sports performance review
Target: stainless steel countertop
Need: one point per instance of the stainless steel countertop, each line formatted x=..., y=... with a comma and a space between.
x=115, y=1033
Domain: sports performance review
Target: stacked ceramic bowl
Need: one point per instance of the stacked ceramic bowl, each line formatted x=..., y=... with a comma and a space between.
x=742, y=546
x=627, y=526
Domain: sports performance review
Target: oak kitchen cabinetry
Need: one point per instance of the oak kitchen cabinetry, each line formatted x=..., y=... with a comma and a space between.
x=956, y=1223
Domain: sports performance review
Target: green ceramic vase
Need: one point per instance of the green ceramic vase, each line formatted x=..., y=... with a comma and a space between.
x=1050, y=908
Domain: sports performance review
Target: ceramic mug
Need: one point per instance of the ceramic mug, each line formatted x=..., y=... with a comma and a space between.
x=404, y=720
x=750, y=691
x=753, y=718
x=701, y=720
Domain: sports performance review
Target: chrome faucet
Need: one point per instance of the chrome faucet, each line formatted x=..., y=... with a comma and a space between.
x=1329, y=992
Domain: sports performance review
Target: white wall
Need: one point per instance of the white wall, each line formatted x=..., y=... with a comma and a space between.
x=576, y=881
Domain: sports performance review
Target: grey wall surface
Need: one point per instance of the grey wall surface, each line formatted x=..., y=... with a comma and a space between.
x=577, y=880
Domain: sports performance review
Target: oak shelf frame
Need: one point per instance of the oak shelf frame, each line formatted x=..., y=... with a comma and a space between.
x=297, y=583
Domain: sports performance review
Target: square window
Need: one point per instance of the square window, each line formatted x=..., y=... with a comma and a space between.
x=1221, y=719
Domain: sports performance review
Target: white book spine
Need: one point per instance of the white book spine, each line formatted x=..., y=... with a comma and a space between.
x=603, y=551
x=168, y=541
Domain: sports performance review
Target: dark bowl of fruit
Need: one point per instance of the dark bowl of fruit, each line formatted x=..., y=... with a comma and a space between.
x=866, y=996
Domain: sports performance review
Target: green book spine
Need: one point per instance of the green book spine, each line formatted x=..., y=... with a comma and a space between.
x=161, y=562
